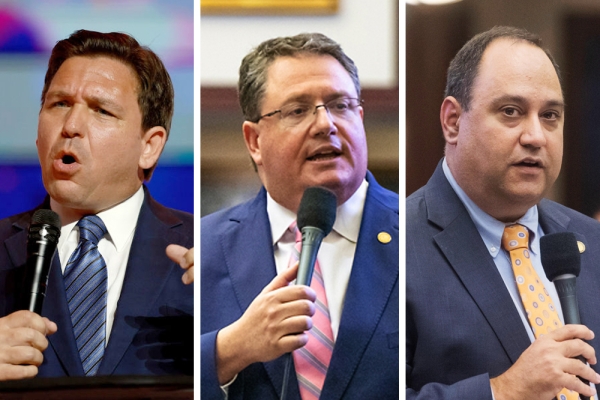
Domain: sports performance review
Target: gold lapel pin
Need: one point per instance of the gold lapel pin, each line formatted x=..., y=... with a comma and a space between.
x=581, y=246
x=384, y=237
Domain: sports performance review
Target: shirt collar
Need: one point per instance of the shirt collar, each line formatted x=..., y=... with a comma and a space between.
x=347, y=219
x=489, y=228
x=120, y=221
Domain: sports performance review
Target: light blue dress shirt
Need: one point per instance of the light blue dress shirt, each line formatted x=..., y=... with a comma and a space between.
x=491, y=231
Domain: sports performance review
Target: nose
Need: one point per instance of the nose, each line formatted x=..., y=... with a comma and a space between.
x=74, y=122
x=534, y=134
x=324, y=122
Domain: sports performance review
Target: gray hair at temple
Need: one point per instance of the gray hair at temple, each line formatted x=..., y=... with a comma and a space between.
x=254, y=67
x=464, y=66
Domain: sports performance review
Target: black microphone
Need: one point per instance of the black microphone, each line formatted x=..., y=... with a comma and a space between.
x=315, y=219
x=562, y=263
x=42, y=240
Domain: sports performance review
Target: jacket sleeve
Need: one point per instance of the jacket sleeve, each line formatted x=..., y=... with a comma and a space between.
x=209, y=381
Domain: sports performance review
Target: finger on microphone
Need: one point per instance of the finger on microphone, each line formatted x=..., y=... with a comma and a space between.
x=283, y=279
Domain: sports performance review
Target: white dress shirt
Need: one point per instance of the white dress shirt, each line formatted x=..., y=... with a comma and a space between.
x=337, y=249
x=120, y=222
x=335, y=256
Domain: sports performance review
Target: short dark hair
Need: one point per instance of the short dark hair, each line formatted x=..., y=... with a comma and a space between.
x=155, y=94
x=464, y=66
x=253, y=70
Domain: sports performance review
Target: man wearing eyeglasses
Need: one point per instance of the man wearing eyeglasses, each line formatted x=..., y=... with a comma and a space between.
x=300, y=97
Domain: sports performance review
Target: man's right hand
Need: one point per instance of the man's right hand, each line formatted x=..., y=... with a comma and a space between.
x=548, y=365
x=274, y=324
x=22, y=341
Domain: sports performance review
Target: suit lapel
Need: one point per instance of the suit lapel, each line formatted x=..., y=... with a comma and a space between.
x=474, y=266
x=248, y=253
x=372, y=282
x=16, y=245
x=144, y=278
x=12, y=272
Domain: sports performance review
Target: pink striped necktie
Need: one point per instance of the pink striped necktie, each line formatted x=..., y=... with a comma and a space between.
x=312, y=360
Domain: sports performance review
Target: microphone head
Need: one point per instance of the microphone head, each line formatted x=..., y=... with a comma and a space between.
x=560, y=254
x=317, y=209
x=45, y=225
x=44, y=216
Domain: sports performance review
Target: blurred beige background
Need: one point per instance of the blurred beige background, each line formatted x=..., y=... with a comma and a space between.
x=367, y=31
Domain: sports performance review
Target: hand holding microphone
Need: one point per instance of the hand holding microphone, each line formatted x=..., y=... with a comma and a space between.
x=545, y=367
x=23, y=333
x=276, y=320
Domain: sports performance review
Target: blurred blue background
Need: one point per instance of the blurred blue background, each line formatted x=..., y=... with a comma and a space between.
x=28, y=31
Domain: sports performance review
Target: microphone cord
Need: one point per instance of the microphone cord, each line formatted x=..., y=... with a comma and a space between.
x=286, y=375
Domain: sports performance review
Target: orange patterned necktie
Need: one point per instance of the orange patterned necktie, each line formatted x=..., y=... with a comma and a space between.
x=312, y=360
x=538, y=305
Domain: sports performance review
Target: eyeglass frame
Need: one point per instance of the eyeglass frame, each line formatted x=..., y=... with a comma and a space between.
x=324, y=105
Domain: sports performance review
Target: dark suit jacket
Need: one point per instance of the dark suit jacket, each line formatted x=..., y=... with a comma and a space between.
x=237, y=263
x=462, y=327
x=152, y=332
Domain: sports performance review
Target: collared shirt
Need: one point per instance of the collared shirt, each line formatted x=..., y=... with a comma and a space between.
x=337, y=249
x=120, y=222
x=491, y=231
x=335, y=256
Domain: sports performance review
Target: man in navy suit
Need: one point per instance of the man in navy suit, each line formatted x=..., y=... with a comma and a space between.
x=105, y=117
x=300, y=96
x=467, y=334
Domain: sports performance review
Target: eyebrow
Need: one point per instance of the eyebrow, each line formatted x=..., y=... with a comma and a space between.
x=306, y=98
x=96, y=100
x=522, y=100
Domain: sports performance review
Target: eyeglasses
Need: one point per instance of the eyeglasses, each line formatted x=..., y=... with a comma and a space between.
x=295, y=114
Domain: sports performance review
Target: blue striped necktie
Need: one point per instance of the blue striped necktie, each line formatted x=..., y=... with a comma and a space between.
x=86, y=282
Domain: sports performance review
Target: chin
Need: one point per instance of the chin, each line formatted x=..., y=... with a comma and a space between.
x=527, y=198
x=66, y=193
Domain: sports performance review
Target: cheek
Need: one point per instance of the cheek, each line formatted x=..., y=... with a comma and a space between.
x=281, y=150
x=115, y=148
x=43, y=144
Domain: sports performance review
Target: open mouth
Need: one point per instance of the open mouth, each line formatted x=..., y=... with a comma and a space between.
x=67, y=159
x=324, y=156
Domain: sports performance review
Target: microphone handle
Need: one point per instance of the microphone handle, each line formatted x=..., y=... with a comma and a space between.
x=38, y=269
x=311, y=241
x=566, y=289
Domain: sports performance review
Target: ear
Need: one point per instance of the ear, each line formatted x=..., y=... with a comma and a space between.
x=153, y=142
x=251, y=137
x=450, y=114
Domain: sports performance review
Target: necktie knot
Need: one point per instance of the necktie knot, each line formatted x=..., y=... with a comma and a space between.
x=91, y=228
x=515, y=237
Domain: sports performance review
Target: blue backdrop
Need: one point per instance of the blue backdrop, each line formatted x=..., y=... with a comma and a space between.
x=21, y=187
